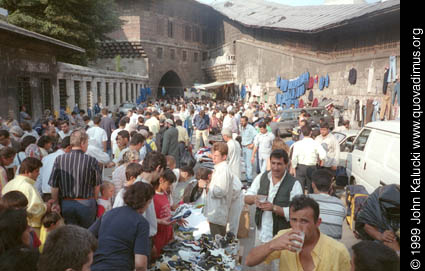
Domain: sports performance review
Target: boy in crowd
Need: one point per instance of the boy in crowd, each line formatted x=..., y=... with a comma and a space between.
x=104, y=203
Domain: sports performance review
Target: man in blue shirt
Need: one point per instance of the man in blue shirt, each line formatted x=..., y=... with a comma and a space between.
x=201, y=124
x=248, y=133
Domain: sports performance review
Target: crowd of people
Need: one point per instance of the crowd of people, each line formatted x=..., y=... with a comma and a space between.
x=59, y=212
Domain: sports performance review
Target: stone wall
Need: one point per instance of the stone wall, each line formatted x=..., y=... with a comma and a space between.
x=25, y=67
x=179, y=28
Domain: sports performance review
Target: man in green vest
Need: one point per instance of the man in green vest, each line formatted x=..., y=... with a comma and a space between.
x=278, y=188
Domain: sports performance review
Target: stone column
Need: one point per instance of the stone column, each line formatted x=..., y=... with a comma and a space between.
x=125, y=90
x=70, y=101
x=103, y=92
x=83, y=94
x=55, y=95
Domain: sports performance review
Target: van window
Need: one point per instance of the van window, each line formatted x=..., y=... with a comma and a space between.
x=394, y=155
x=361, y=140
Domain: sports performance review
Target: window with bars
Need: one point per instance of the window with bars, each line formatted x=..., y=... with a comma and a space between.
x=159, y=52
x=195, y=57
x=170, y=29
x=24, y=93
x=99, y=94
x=107, y=94
x=77, y=92
x=46, y=94
x=115, y=94
x=187, y=33
x=172, y=54
x=196, y=34
x=62, y=93
x=184, y=55
x=89, y=95
x=121, y=99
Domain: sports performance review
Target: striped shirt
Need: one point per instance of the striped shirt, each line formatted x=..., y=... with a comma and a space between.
x=332, y=213
x=76, y=175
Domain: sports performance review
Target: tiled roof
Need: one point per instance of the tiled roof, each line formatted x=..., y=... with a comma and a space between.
x=260, y=13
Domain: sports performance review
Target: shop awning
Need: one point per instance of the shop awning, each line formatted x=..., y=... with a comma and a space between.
x=213, y=85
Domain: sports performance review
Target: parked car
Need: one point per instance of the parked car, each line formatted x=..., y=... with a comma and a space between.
x=345, y=140
x=125, y=107
x=289, y=119
x=374, y=157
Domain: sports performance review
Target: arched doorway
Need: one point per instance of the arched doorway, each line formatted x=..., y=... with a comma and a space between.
x=172, y=84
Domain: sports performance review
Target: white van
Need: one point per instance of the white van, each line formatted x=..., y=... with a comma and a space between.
x=375, y=156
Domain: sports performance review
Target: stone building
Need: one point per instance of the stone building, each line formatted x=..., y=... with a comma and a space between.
x=31, y=76
x=28, y=70
x=251, y=42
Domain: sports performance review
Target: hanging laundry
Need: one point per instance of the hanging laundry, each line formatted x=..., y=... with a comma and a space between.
x=243, y=92
x=316, y=79
x=278, y=81
x=311, y=83
x=315, y=102
x=256, y=90
x=327, y=81
x=301, y=104
x=321, y=83
x=392, y=70
x=385, y=83
x=310, y=95
x=352, y=76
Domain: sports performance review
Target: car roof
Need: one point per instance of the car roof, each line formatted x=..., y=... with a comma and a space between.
x=392, y=126
x=299, y=109
x=347, y=132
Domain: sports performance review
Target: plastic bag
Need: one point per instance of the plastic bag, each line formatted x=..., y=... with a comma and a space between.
x=187, y=159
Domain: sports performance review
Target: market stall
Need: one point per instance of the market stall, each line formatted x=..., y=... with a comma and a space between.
x=194, y=248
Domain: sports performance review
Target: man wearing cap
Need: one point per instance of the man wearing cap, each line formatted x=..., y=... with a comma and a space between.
x=170, y=141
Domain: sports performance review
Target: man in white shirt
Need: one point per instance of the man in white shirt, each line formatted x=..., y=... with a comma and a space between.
x=65, y=129
x=306, y=154
x=263, y=143
x=332, y=147
x=183, y=136
x=227, y=121
x=219, y=191
x=234, y=152
x=277, y=188
x=46, y=170
x=152, y=122
x=97, y=135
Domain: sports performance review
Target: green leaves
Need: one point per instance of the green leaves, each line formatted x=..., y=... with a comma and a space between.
x=79, y=22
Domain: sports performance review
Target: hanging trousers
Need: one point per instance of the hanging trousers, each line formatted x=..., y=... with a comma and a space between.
x=385, y=107
x=369, y=110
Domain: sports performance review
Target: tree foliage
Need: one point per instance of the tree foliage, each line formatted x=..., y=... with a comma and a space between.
x=79, y=22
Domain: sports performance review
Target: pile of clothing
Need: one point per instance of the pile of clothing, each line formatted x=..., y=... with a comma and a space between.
x=206, y=253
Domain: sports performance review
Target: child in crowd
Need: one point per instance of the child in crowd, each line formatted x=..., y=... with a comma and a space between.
x=186, y=176
x=49, y=222
x=163, y=210
x=104, y=203
x=193, y=193
x=171, y=164
x=17, y=200
x=151, y=142
x=132, y=171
